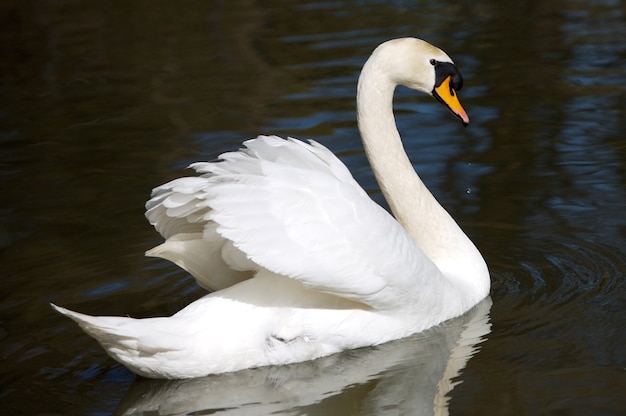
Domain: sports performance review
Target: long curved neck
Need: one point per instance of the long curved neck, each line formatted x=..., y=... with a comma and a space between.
x=412, y=204
x=403, y=189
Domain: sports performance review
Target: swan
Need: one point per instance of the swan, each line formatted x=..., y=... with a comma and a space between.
x=300, y=262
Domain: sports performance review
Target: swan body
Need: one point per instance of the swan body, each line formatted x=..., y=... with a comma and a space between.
x=300, y=261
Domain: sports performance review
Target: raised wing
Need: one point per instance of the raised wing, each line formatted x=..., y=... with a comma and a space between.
x=294, y=209
x=178, y=210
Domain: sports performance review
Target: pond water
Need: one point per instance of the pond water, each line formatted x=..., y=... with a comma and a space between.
x=103, y=101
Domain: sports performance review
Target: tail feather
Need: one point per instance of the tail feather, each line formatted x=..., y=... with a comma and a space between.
x=110, y=331
x=131, y=342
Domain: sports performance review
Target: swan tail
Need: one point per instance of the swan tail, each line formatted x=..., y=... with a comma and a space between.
x=129, y=341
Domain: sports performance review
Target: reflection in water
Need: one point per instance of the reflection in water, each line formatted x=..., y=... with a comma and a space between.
x=409, y=376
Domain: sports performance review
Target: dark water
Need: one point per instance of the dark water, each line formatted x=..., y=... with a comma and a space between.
x=102, y=101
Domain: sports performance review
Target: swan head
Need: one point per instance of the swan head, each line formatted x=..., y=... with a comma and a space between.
x=418, y=65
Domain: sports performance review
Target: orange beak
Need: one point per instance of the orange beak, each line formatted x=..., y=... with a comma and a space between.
x=448, y=97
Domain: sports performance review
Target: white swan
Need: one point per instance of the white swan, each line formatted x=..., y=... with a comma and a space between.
x=302, y=262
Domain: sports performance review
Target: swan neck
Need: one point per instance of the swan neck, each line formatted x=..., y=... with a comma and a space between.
x=392, y=168
x=414, y=207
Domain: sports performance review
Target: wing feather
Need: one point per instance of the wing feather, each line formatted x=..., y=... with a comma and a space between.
x=298, y=212
x=294, y=209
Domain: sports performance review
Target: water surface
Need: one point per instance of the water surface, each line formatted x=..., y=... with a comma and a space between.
x=102, y=102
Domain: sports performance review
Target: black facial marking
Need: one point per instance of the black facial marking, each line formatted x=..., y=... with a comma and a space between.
x=444, y=70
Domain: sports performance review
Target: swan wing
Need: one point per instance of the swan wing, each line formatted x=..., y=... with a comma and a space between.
x=294, y=209
x=179, y=212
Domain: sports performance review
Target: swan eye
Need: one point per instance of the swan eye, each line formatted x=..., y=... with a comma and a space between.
x=433, y=62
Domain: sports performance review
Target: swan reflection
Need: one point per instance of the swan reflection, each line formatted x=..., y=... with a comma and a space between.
x=413, y=375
